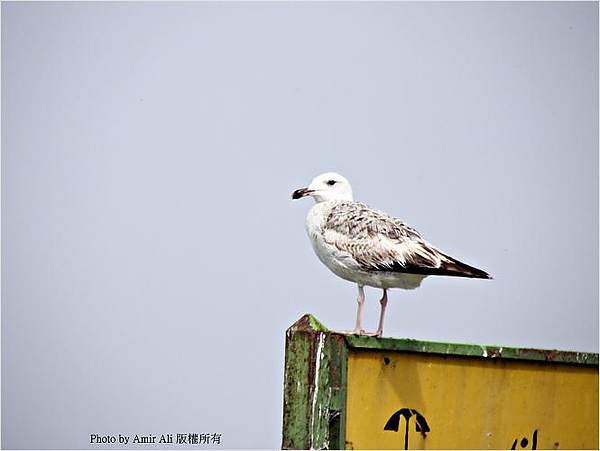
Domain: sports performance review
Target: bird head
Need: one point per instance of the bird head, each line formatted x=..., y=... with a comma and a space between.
x=326, y=187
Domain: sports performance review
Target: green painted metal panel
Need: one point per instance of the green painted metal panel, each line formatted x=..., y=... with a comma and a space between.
x=484, y=351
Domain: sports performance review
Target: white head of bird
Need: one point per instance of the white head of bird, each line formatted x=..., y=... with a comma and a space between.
x=326, y=187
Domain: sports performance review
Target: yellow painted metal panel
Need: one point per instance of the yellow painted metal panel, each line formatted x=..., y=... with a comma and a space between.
x=468, y=403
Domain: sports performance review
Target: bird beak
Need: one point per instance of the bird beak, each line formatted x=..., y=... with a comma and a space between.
x=302, y=192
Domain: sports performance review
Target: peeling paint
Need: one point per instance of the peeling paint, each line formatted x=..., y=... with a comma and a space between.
x=471, y=350
x=318, y=357
x=494, y=353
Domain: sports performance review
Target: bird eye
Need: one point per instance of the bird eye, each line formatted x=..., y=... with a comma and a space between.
x=331, y=182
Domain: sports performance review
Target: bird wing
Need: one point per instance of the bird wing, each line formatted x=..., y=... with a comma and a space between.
x=380, y=242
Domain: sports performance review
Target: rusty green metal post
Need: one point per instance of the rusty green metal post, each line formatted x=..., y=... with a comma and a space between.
x=314, y=410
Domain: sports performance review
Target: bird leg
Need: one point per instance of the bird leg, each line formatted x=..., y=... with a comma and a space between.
x=361, y=301
x=358, y=330
x=379, y=332
x=383, y=302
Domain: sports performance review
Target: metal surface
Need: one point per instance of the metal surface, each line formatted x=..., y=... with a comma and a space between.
x=469, y=403
x=314, y=405
x=346, y=391
x=484, y=351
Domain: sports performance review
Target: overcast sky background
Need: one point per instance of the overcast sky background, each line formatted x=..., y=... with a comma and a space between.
x=152, y=258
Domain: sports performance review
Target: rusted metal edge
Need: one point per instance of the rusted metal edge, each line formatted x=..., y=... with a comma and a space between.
x=314, y=404
x=472, y=350
x=469, y=350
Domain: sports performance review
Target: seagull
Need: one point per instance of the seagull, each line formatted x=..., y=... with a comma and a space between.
x=370, y=247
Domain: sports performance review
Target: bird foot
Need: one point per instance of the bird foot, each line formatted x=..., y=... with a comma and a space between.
x=377, y=334
x=360, y=332
x=345, y=332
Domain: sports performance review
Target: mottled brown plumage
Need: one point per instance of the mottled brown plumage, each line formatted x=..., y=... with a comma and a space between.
x=380, y=242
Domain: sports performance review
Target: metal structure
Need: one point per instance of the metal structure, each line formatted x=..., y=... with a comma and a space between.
x=344, y=391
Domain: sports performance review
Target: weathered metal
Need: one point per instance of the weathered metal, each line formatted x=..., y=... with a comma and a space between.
x=314, y=414
x=348, y=391
x=471, y=350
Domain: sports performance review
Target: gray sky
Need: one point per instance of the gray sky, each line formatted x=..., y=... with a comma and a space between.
x=152, y=257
